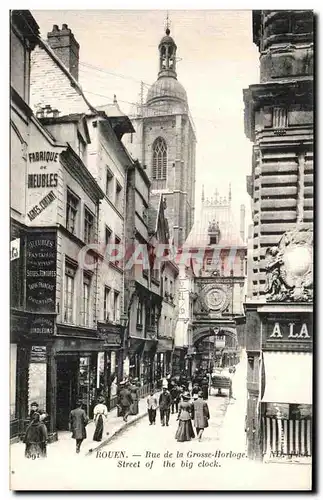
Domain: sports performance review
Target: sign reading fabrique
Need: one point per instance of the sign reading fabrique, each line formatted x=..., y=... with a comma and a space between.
x=42, y=183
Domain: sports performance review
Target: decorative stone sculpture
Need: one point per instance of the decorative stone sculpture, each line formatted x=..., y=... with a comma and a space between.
x=214, y=227
x=290, y=268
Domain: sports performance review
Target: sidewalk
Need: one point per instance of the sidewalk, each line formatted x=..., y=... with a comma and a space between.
x=232, y=436
x=113, y=426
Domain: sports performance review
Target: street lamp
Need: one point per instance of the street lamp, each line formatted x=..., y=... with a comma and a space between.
x=124, y=324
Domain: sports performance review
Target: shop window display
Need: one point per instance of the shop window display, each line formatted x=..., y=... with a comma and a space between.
x=88, y=382
x=286, y=431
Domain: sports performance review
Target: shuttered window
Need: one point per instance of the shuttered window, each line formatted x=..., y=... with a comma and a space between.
x=280, y=118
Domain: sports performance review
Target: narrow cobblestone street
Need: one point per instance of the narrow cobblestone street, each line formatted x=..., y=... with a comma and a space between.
x=131, y=454
x=161, y=249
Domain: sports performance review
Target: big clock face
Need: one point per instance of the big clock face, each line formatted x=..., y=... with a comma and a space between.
x=216, y=299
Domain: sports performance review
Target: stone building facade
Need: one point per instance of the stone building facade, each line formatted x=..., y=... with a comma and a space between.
x=165, y=143
x=217, y=253
x=279, y=121
x=68, y=185
x=148, y=299
x=28, y=204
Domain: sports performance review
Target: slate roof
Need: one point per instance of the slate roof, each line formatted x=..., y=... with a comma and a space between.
x=229, y=228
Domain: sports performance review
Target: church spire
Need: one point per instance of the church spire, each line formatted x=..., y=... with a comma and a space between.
x=167, y=54
x=203, y=196
x=230, y=194
x=167, y=30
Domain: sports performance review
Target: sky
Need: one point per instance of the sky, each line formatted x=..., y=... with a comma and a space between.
x=217, y=60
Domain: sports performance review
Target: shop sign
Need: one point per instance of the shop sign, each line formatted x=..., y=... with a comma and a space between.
x=42, y=182
x=289, y=331
x=42, y=326
x=111, y=334
x=15, y=249
x=18, y=325
x=41, y=272
x=38, y=354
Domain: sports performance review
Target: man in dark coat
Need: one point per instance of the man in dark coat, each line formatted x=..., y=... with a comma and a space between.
x=205, y=387
x=175, y=394
x=34, y=408
x=125, y=401
x=201, y=415
x=78, y=421
x=165, y=401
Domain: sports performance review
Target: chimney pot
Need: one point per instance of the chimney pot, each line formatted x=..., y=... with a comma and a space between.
x=65, y=47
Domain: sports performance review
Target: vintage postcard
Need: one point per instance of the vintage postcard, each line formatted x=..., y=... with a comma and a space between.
x=161, y=250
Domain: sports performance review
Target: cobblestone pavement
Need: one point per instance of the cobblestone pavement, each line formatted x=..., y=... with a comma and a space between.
x=147, y=457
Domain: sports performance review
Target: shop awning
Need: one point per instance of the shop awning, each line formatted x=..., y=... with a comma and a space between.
x=150, y=345
x=136, y=345
x=164, y=345
x=288, y=377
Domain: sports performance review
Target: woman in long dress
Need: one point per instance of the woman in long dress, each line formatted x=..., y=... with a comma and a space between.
x=36, y=438
x=100, y=415
x=185, y=430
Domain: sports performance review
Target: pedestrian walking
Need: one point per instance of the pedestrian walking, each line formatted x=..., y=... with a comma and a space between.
x=201, y=415
x=175, y=395
x=205, y=387
x=165, y=383
x=35, y=438
x=185, y=430
x=165, y=402
x=195, y=389
x=100, y=416
x=152, y=407
x=231, y=388
x=78, y=422
x=34, y=408
x=134, y=407
x=125, y=401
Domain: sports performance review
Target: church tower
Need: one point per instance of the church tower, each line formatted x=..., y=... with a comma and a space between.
x=165, y=142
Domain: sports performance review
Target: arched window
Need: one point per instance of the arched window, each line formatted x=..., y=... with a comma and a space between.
x=159, y=159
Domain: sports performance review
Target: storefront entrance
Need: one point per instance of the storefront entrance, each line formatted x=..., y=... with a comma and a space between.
x=67, y=385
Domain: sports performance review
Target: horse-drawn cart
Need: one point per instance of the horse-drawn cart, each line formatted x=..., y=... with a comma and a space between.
x=221, y=380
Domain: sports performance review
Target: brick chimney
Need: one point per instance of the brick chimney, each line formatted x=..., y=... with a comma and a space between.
x=66, y=48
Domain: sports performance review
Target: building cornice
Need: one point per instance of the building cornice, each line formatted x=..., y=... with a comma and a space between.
x=282, y=93
x=78, y=170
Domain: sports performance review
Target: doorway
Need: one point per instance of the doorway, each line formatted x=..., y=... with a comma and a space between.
x=67, y=385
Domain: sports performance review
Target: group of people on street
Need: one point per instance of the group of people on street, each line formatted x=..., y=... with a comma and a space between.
x=180, y=400
x=78, y=421
x=187, y=398
x=128, y=404
x=128, y=399
x=198, y=411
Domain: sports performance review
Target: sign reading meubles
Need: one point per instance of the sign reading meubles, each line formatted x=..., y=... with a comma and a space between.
x=42, y=183
x=41, y=272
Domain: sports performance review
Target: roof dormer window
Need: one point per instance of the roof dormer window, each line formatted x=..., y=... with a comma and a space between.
x=214, y=233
